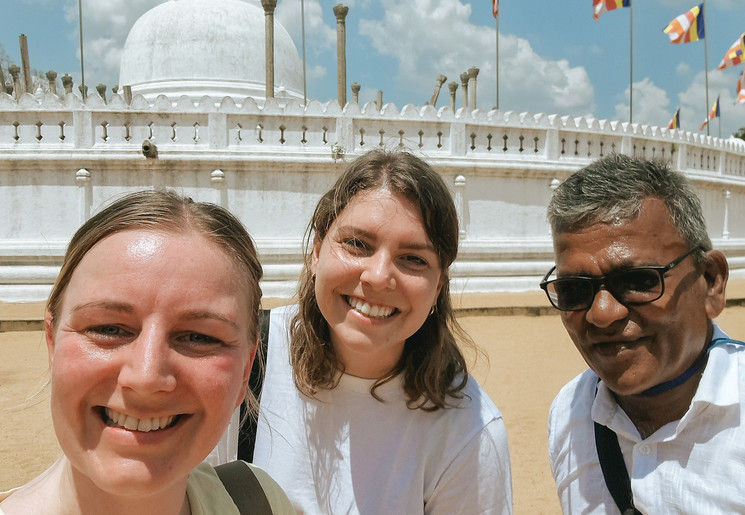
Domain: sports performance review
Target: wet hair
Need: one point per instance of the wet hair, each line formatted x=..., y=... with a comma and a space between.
x=613, y=188
x=432, y=366
x=167, y=211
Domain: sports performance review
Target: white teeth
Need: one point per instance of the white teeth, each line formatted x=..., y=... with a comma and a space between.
x=366, y=309
x=118, y=419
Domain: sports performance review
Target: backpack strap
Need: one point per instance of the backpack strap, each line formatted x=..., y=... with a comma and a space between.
x=614, y=469
x=244, y=488
x=247, y=432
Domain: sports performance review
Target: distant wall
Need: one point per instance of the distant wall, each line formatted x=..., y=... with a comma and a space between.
x=63, y=160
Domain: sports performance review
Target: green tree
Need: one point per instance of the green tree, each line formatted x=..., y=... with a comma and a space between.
x=740, y=133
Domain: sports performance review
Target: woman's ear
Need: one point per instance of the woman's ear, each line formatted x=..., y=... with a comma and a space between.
x=314, y=255
x=49, y=335
x=716, y=273
x=247, y=370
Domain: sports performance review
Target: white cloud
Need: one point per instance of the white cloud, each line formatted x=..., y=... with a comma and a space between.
x=651, y=105
x=683, y=69
x=693, y=110
x=429, y=37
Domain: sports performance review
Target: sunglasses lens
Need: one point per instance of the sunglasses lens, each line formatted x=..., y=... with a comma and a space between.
x=571, y=294
x=636, y=285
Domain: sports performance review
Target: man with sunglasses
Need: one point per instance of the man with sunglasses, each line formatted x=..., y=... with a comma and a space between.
x=657, y=423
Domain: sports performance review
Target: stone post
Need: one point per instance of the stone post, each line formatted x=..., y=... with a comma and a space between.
x=340, y=11
x=464, y=86
x=52, y=78
x=356, y=92
x=15, y=72
x=83, y=178
x=2, y=78
x=438, y=84
x=472, y=73
x=101, y=89
x=453, y=87
x=83, y=91
x=379, y=99
x=28, y=83
x=67, y=83
x=269, y=6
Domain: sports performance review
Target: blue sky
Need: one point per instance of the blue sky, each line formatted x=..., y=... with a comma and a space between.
x=554, y=57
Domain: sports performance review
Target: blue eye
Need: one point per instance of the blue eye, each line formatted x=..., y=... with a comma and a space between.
x=201, y=338
x=106, y=330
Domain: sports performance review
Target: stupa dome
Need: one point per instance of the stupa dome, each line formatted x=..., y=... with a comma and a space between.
x=207, y=47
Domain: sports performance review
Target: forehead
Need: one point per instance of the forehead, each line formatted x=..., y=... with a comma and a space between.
x=649, y=239
x=381, y=205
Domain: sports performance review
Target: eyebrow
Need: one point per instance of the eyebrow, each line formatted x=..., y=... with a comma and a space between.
x=122, y=307
x=357, y=231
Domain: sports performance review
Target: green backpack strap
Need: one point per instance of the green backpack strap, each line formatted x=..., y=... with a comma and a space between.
x=244, y=487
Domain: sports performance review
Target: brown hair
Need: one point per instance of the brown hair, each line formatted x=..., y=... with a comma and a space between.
x=432, y=365
x=167, y=211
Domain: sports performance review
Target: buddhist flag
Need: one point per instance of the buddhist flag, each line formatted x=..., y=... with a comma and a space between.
x=740, y=97
x=495, y=7
x=714, y=113
x=675, y=122
x=741, y=88
x=687, y=27
x=735, y=55
x=602, y=6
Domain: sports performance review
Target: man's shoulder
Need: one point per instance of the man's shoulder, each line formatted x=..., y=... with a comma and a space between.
x=580, y=389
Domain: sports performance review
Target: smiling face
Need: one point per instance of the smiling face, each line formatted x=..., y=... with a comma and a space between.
x=377, y=278
x=149, y=356
x=633, y=348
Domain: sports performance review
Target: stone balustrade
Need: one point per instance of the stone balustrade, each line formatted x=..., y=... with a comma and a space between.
x=63, y=159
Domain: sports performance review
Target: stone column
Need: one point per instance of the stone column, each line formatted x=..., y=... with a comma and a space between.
x=52, y=78
x=2, y=79
x=438, y=84
x=28, y=83
x=356, y=92
x=464, y=86
x=340, y=11
x=67, y=83
x=269, y=6
x=472, y=73
x=15, y=72
x=453, y=87
x=379, y=99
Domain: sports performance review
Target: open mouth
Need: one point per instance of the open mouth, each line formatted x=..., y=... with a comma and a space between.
x=116, y=419
x=370, y=310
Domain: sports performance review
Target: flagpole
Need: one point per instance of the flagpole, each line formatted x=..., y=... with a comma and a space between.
x=82, y=61
x=706, y=62
x=302, y=23
x=631, y=62
x=497, y=48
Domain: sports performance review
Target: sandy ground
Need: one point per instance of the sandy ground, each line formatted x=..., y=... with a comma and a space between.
x=530, y=359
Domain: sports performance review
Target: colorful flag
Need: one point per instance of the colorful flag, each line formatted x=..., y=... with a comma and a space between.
x=740, y=97
x=675, y=122
x=687, y=27
x=735, y=55
x=602, y=6
x=741, y=88
x=495, y=7
x=714, y=113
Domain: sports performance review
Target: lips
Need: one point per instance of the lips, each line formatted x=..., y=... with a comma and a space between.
x=117, y=419
x=614, y=347
x=370, y=310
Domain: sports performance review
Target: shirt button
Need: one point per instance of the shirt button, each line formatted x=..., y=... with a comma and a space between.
x=644, y=449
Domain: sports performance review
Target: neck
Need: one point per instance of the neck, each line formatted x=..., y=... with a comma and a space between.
x=649, y=413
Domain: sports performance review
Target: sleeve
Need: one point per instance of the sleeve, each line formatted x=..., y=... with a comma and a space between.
x=277, y=497
x=479, y=479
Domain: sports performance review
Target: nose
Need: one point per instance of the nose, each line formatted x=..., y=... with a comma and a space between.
x=605, y=309
x=378, y=271
x=148, y=366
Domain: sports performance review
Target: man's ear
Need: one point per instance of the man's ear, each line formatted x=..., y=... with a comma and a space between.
x=49, y=336
x=716, y=273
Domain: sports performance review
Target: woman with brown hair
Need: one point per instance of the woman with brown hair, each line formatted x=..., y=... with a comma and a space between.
x=367, y=404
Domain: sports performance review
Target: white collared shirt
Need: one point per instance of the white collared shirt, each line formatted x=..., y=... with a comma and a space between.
x=695, y=465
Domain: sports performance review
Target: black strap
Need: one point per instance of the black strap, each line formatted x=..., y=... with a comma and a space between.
x=614, y=469
x=247, y=432
x=244, y=488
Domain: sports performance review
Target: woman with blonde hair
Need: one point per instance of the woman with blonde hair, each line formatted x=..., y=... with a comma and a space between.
x=367, y=405
x=151, y=340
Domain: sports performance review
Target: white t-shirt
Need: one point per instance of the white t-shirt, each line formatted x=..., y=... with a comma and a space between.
x=692, y=465
x=346, y=452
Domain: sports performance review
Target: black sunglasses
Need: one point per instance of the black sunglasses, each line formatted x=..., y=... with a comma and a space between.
x=630, y=286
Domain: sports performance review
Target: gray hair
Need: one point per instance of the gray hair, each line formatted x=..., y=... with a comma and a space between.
x=614, y=187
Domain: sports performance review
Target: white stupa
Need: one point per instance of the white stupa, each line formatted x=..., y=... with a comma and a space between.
x=207, y=47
